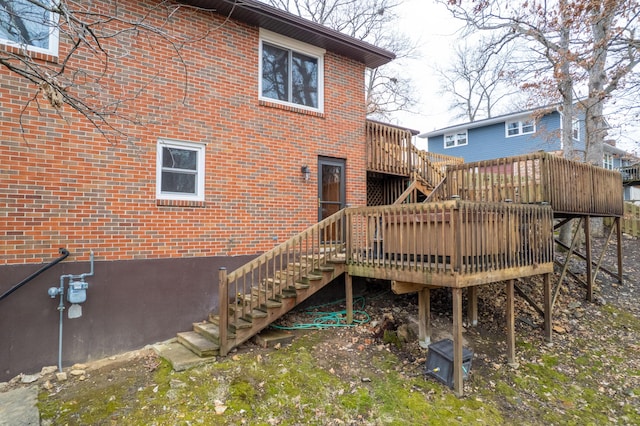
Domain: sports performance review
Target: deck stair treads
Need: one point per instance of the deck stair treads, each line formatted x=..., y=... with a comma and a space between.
x=279, y=292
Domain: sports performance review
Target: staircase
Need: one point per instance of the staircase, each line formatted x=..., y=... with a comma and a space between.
x=263, y=290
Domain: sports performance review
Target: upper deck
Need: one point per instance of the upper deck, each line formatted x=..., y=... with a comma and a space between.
x=570, y=188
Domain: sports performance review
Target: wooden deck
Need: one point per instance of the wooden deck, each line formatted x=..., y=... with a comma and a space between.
x=571, y=188
x=485, y=222
x=631, y=174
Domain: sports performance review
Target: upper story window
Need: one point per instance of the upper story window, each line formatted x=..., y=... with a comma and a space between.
x=291, y=72
x=607, y=161
x=455, y=139
x=27, y=25
x=180, y=170
x=575, y=129
x=520, y=127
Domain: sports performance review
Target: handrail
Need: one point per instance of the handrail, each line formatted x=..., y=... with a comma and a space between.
x=64, y=254
x=261, y=280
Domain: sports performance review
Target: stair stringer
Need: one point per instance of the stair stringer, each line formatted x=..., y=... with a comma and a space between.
x=288, y=303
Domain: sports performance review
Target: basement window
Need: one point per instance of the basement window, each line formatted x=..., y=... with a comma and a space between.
x=180, y=170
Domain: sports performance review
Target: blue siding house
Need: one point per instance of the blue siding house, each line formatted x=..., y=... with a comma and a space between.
x=504, y=136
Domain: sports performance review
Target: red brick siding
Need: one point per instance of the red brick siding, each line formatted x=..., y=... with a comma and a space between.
x=66, y=186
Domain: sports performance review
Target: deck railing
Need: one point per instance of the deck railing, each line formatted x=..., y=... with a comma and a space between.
x=448, y=237
x=570, y=187
x=630, y=173
x=390, y=150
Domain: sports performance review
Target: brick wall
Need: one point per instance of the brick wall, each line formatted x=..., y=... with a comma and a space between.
x=63, y=184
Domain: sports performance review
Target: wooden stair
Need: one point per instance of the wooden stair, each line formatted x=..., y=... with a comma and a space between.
x=284, y=293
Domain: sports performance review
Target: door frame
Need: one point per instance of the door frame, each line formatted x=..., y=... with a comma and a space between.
x=330, y=161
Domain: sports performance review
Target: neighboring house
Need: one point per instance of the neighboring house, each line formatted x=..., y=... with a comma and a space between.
x=518, y=133
x=241, y=164
x=507, y=135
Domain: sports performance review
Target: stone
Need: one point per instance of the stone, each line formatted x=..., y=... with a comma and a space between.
x=77, y=372
x=48, y=370
x=61, y=376
x=29, y=378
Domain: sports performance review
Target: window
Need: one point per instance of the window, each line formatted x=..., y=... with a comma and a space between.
x=455, y=139
x=575, y=129
x=291, y=72
x=180, y=171
x=520, y=127
x=607, y=161
x=24, y=24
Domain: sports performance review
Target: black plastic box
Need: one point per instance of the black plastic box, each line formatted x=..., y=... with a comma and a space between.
x=440, y=361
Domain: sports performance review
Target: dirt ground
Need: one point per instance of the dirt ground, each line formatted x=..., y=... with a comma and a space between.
x=593, y=361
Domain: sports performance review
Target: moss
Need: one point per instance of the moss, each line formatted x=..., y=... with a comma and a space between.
x=391, y=337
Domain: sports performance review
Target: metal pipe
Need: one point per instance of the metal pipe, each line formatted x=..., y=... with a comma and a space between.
x=64, y=252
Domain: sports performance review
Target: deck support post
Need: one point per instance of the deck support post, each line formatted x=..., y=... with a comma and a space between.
x=458, y=386
x=548, y=309
x=472, y=305
x=511, y=329
x=587, y=246
x=223, y=313
x=348, y=284
x=619, y=247
x=424, y=317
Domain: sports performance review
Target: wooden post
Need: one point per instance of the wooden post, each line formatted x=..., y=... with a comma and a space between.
x=472, y=305
x=511, y=329
x=458, y=386
x=349, y=297
x=619, y=247
x=424, y=317
x=548, y=309
x=587, y=242
x=223, y=312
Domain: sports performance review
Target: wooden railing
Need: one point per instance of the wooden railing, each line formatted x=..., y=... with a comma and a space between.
x=569, y=186
x=447, y=237
x=258, y=282
x=390, y=150
x=630, y=173
x=630, y=223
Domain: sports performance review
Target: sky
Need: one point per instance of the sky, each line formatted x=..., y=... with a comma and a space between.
x=436, y=33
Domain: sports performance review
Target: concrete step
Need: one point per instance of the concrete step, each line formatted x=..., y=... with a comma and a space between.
x=198, y=344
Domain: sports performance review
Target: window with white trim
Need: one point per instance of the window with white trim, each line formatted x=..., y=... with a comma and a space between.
x=575, y=129
x=25, y=24
x=291, y=72
x=607, y=161
x=519, y=127
x=180, y=170
x=452, y=140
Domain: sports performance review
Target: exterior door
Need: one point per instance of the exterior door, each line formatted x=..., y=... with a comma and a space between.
x=331, y=186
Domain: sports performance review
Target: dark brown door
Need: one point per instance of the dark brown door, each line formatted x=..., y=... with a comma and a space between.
x=331, y=186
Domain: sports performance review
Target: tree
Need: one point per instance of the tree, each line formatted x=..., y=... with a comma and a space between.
x=476, y=79
x=591, y=43
x=387, y=88
x=100, y=30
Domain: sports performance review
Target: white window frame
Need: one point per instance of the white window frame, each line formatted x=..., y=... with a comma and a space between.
x=521, y=126
x=456, y=139
x=575, y=129
x=290, y=44
x=54, y=37
x=200, y=170
x=607, y=161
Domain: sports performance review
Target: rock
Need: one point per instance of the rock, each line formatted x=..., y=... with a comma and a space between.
x=48, y=370
x=61, y=376
x=77, y=372
x=177, y=384
x=79, y=367
x=47, y=385
x=406, y=334
x=29, y=378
